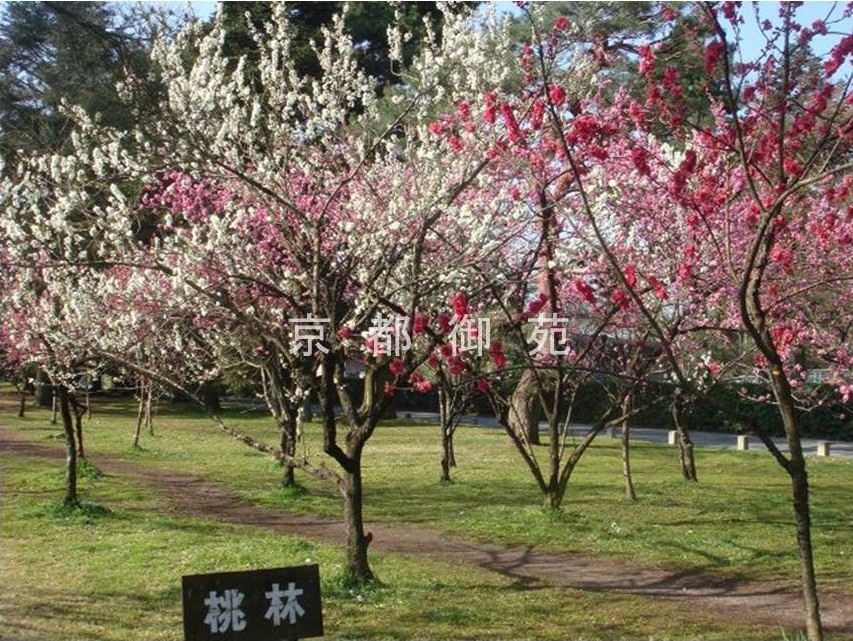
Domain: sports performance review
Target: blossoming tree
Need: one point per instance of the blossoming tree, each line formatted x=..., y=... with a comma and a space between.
x=742, y=225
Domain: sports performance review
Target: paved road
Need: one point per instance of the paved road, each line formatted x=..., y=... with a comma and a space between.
x=652, y=435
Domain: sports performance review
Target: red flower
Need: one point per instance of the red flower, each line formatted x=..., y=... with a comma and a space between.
x=489, y=110
x=511, y=122
x=584, y=290
x=483, y=384
x=389, y=389
x=443, y=323
x=457, y=367
x=535, y=306
x=397, y=367
x=460, y=305
x=561, y=23
x=557, y=95
x=419, y=324
x=498, y=357
x=647, y=59
x=620, y=299
x=419, y=383
x=640, y=158
x=630, y=276
x=463, y=109
x=344, y=333
x=656, y=285
x=713, y=51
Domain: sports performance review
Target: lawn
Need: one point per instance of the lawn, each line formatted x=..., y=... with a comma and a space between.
x=112, y=570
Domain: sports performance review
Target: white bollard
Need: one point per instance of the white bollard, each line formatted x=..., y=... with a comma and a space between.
x=823, y=448
x=672, y=437
x=743, y=442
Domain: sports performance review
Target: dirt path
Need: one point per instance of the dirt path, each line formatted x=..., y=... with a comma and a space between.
x=759, y=603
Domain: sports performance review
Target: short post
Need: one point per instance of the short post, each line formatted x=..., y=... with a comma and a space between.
x=742, y=442
x=823, y=448
x=672, y=437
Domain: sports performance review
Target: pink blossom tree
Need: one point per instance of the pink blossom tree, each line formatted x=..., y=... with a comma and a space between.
x=742, y=225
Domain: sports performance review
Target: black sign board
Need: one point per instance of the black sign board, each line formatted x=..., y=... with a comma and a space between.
x=259, y=605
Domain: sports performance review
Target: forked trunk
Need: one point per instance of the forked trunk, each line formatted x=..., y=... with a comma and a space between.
x=685, y=445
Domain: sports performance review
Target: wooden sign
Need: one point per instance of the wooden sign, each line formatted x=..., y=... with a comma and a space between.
x=280, y=604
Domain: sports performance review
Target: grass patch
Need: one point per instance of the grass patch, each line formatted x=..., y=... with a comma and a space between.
x=114, y=572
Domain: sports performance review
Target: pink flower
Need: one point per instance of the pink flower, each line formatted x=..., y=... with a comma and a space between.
x=620, y=299
x=561, y=23
x=713, y=51
x=419, y=383
x=483, y=384
x=647, y=59
x=443, y=323
x=535, y=306
x=460, y=305
x=656, y=285
x=630, y=276
x=436, y=128
x=389, y=389
x=585, y=291
x=397, y=367
x=419, y=325
x=489, y=110
x=511, y=123
x=640, y=156
x=536, y=114
x=463, y=109
x=344, y=333
x=498, y=357
x=455, y=143
x=457, y=367
x=557, y=95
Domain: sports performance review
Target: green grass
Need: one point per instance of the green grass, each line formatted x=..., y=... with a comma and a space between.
x=112, y=570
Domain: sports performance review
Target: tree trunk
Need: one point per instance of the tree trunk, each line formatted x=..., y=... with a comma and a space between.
x=448, y=457
x=70, y=448
x=140, y=415
x=22, y=401
x=43, y=391
x=79, y=411
x=630, y=493
x=800, y=492
x=149, y=401
x=685, y=445
x=523, y=405
x=357, y=540
x=54, y=408
x=287, y=429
